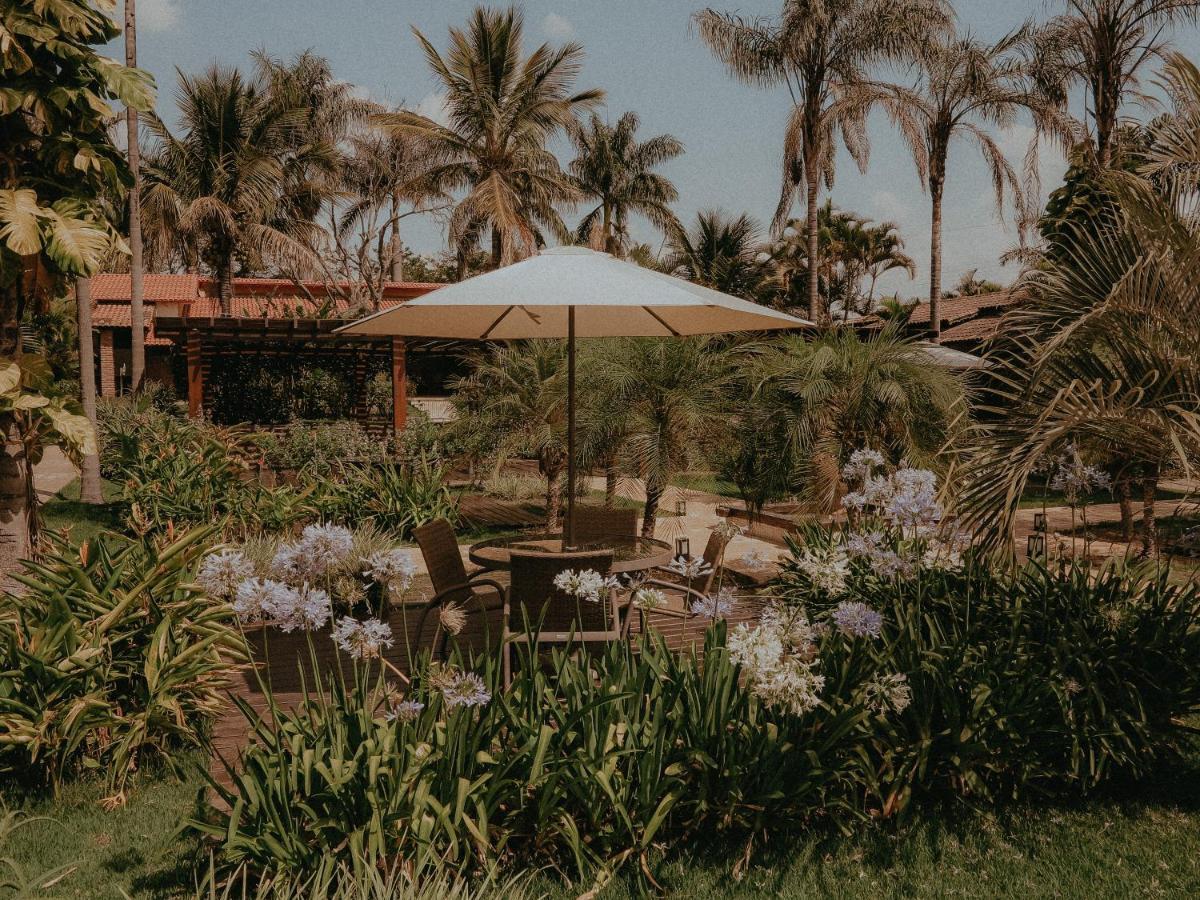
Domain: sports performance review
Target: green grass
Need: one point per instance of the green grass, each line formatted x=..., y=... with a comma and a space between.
x=132, y=851
x=707, y=483
x=1033, y=497
x=1141, y=840
x=82, y=521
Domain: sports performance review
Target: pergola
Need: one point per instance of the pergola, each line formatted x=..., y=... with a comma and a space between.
x=209, y=341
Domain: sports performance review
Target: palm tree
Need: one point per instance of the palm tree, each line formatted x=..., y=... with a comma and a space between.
x=90, y=490
x=1102, y=354
x=666, y=399
x=518, y=392
x=883, y=252
x=822, y=50
x=137, y=313
x=228, y=189
x=612, y=168
x=502, y=108
x=970, y=284
x=1102, y=45
x=718, y=252
x=813, y=402
x=965, y=87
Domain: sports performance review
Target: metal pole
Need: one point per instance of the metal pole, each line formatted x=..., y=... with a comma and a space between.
x=570, y=529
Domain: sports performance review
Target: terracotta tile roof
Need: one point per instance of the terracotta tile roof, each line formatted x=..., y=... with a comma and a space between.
x=973, y=331
x=281, y=306
x=109, y=286
x=119, y=315
x=955, y=309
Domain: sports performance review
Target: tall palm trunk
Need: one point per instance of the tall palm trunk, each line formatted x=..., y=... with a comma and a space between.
x=814, y=234
x=1149, y=522
x=225, y=285
x=553, y=495
x=89, y=475
x=1125, y=499
x=397, y=248
x=497, y=248
x=937, y=184
x=654, y=495
x=137, y=314
x=610, y=482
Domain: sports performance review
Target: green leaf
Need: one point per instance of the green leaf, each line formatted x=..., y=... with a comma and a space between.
x=19, y=225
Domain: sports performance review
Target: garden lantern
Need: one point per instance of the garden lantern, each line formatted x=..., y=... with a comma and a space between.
x=1039, y=522
x=1035, y=546
x=681, y=507
x=683, y=548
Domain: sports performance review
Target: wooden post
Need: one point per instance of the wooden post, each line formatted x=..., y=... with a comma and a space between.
x=399, y=386
x=195, y=376
x=108, y=368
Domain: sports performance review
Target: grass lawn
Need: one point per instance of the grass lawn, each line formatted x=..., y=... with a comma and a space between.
x=1033, y=497
x=707, y=483
x=83, y=521
x=1138, y=841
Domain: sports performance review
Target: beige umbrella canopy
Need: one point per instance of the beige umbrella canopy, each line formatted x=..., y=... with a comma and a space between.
x=571, y=292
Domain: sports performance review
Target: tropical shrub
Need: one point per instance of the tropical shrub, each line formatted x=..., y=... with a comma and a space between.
x=395, y=497
x=320, y=448
x=581, y=764
x=110, y=655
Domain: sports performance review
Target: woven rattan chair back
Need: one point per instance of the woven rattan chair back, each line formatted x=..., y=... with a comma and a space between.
x=596, y=524
x=533, y=593
x=714, y=555
x=439, y=547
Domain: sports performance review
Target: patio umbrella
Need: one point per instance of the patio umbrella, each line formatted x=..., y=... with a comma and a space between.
x=951, y=358
x=571, y=292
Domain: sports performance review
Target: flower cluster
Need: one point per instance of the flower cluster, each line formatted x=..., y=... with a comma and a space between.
x=689, y=567
x=727, y=529
x=362, y=640
x=404, y=710
x=458, y=688
x=1075, y=479
x=906, y=499
x=585, y=584
x=718, y=605
x=648, y=599
x=320, y=550
x=827, y=568
x=888, y=692
x=883, y=560
x=854, y=618
x=259, y=600
x=391, y=568
x=862, y=465
x=222, y=572
x=779, y=659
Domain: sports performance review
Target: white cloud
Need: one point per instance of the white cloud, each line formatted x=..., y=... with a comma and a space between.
x=557, y=27
x=158, y=15
x=433, y=106
x=887, y=206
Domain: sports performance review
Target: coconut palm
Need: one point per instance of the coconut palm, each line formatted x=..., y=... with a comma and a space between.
x=1102, y=354
x=823, y=51
x=718, y=252
x=1102, y=46
x=501, y=109
x=616, y=171
x=827, y=397
x=883, y=252
x=236, y=185
x=664, y=399
x=965, y=88
x=518, y=392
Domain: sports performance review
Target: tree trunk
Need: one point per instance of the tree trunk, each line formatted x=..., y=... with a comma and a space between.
x=16, y=532
x=1149, y=525
x=1125, y=499
x=936, y=185
x=654, y=493
x=225, y=285
x=610, y=239
x=814, y=289
x=497, y=248
x=89, y=475
x=610, y=483
x=397, y=248
x=553, y=497
x=137, y=314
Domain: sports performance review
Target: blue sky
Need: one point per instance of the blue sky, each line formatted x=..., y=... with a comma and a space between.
x=643, y=54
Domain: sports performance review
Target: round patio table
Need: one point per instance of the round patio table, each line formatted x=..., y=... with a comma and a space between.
x=635, y=555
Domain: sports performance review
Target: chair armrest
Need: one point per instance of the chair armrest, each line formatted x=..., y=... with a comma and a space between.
x=469, y=586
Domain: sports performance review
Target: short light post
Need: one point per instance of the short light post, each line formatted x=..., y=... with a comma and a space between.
x=683, y=548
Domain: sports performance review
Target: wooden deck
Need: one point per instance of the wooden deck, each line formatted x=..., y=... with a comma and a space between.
x=287, y=663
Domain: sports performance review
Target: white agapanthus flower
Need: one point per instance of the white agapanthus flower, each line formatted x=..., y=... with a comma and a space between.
x=320, y=550
x=862, y=465
x=259, y=600
x=827, y=568
x=648, y=599
x=391, y=568
x=888, y=692
x=717, y=605
x=779, y=659
x=362, y=640
x=222, y=572
x=689, y=567
x=728, y=529
x=585, y=584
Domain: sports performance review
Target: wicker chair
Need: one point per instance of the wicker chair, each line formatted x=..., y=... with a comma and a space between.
x=558, y=618
x=680, y=591
x=597, y=524
x=452, y=584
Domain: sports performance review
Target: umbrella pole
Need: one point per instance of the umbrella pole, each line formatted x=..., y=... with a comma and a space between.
x=569, y=532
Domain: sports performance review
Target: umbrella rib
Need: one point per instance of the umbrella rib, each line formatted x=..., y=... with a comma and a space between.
x=659, y=320
x=492, y=327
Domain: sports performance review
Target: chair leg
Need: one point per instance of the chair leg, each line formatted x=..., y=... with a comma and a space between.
x=506, y=657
